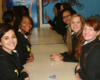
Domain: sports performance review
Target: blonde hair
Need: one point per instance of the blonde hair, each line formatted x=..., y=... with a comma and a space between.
x=69, y=30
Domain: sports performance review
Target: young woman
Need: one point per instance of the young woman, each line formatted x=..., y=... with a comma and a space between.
x=88, y=49
x=10, y=67
x=8, y=17
x=56, y=11
x=60, y=25
x=75, y=25
x=24, y=25
x=65, y=17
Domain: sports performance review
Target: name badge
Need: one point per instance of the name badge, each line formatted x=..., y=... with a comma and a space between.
x=28, y=48
x=16, y=71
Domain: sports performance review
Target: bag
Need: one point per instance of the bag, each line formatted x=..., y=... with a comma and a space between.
x=88, y=53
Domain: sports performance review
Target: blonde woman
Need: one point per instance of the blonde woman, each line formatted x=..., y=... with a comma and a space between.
x=73, y=32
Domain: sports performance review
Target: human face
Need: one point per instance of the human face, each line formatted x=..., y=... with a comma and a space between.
x=9, y=41
x=61, y=8
x=66, y=17
x=76, y=24
x=55, y=11
x=25, y=25
x=89, y=34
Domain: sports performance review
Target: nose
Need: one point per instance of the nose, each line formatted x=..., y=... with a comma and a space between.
x=28, y=24
x=75, y=24
x=86, y=30
x=11, y=40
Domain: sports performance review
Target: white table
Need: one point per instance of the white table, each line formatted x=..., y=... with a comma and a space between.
x=44, y=42
x=43, y=67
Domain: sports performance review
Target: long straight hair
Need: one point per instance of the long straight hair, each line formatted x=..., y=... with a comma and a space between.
x=69, y=31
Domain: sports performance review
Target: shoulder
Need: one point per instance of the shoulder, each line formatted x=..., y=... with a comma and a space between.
x=95, y=51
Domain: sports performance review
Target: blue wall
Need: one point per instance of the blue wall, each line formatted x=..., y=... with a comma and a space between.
x=91, y=7
x=33, y=14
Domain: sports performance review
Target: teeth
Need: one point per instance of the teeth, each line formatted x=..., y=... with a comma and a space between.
x=27, y=27
x=11, y=44
x=86, y=35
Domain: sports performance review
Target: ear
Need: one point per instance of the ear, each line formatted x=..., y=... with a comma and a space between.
x=0, y=43
x=98, y=33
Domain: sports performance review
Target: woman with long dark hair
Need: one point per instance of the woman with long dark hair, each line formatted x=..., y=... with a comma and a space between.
x=56, y=11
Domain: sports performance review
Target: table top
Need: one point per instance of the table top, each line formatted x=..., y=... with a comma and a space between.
x=44, y=42
x=42, y=67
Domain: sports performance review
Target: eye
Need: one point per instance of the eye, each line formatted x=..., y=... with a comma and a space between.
x=6, y=38
x=30, y=23
x=24, y=22
x=91, y=29
x=13, y=36
x=84, y=28
x=72, y=22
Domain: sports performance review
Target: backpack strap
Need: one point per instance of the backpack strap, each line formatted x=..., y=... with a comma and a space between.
x=88, y=53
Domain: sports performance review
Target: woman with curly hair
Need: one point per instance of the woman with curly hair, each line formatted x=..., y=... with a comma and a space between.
x=88, y=52
x=23, y=25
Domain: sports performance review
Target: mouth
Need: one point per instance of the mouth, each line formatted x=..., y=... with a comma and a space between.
x=27, y=27
x=13, y=44
x=86, y=35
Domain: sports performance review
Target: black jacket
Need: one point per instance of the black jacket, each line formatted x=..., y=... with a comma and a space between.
x=70, y=58
x=10, y=67
x=23, y=48
x=92, y=62
x=53, y=23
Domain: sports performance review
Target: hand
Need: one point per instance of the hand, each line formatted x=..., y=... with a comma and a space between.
x=24, y=70
x=51, y=27
x=78, y=77
x=56, y=57
x=27, y=78
x=47, y=17
x=31, y=54
x=30, y=59
x=78, y=67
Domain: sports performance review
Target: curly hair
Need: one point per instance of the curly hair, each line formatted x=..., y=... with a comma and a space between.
x=18, y=21
x=92, y=22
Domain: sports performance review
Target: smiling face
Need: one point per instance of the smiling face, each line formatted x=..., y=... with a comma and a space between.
x=89, y=34
x=76, y=24
x=66, y=17
x=9, y=41
x=25, y=25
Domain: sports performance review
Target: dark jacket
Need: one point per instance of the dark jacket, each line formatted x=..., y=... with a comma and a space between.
x=92, y=62
x=70, y=58
x=23, y=48
x=10, y=67
x=53, y=23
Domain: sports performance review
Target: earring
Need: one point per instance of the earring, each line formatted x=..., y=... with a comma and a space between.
x=19, y=30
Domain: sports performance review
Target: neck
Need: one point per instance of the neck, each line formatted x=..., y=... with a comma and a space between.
x=91, y=40
x=23, y=32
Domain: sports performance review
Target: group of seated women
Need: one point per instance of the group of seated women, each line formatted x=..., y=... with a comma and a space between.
x=15, y=50
x=81, y=37
x=82, y=40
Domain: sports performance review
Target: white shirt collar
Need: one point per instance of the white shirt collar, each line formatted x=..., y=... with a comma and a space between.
x=85, y=43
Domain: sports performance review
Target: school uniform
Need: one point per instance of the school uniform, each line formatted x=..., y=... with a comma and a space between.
x=23, y=47
x=70, y=58
x=53, y=23
x=92, y=62
x=10, y=67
